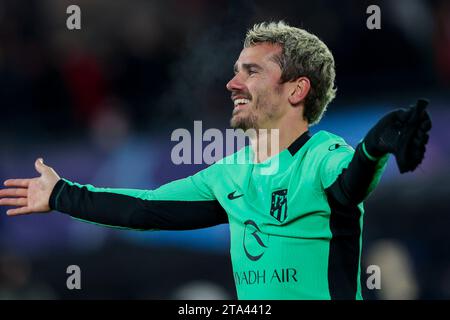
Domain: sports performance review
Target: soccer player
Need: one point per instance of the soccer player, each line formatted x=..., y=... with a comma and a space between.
x=296, y=233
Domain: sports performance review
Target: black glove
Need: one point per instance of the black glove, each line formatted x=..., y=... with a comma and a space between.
x=403, y=132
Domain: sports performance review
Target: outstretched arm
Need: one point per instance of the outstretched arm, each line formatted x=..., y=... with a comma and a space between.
x=180, y=205
x=403, y=133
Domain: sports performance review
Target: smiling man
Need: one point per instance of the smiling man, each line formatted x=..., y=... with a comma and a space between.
x=295, y=233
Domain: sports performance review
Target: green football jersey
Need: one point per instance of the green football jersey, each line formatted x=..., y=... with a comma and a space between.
x=289, y=238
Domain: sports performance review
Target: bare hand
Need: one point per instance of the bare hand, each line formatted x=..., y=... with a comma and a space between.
x=30, y=195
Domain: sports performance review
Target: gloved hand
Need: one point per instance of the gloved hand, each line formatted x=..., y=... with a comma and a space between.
x=402, y=132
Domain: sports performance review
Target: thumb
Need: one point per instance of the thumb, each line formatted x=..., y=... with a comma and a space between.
x=417, y=111
x=39, y=165
x=422, y=104
x=404, y=115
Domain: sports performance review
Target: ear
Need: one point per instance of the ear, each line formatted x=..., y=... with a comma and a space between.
x=299, y=91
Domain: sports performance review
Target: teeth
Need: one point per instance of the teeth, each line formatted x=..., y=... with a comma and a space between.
x=241, y=101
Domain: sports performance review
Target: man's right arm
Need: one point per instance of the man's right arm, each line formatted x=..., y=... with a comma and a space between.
x=179, y=205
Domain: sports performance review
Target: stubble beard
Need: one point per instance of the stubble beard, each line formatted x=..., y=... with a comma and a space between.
x=262, y=110
x=244, y=122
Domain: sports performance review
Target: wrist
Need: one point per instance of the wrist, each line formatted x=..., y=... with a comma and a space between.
x=370, y=152
x=54, y=195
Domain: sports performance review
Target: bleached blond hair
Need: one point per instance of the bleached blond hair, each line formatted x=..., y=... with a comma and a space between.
x=303, y=54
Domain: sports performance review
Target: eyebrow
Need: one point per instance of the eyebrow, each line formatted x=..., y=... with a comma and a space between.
x=247, y=67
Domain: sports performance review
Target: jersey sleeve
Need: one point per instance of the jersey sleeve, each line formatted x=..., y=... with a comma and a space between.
x=351, y=176
x=334, y=162
x=183, y=204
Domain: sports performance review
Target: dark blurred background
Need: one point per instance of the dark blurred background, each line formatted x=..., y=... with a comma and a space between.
x=100, y=103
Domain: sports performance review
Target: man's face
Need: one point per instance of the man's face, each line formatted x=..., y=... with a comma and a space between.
x=259, y=98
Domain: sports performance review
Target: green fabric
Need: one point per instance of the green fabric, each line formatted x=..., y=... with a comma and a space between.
x=294, y=261
x=272, y=258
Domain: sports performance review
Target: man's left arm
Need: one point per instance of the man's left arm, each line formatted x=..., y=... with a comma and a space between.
x=403, y=133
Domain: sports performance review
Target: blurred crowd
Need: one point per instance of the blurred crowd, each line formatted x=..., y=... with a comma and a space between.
x=160, y=63
x=101, y=102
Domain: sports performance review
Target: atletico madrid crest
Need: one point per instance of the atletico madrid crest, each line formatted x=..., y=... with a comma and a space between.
x=278, y=207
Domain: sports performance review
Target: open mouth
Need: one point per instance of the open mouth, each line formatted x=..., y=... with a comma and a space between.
x=241, y=103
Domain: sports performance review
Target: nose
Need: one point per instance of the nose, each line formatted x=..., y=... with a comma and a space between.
x=235, y=84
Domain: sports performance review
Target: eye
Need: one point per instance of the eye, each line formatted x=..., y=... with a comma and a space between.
x=252, y=71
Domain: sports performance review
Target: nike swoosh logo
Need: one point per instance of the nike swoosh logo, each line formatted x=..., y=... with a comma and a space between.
x=231, y=195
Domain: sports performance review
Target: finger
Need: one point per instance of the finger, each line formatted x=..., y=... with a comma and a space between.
x=416, y=113
x=39, y=165
x=422, y=140
x=419, y=134
x=18, y=211
x=13, y=192
x=422, y=104
x=17, y=202
x=416, y=160
x=403, y=115
x=17, y=183
x=426, y=122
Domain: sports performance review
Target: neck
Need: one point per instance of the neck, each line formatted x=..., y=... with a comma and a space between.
x=274, y=139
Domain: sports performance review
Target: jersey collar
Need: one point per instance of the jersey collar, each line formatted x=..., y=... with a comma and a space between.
x=299, y=142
